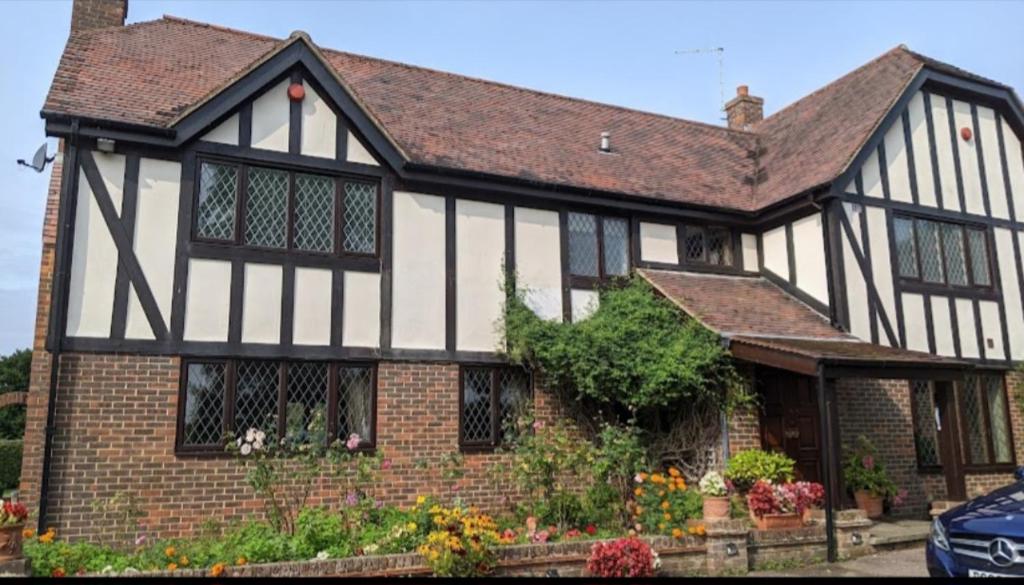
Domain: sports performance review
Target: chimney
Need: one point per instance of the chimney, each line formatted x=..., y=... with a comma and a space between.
x=744, y=110
x=90, y=14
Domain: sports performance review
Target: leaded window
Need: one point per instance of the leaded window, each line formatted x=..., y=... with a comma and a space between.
x=583, y=252
x=314, y=213
x=266, y=208
x=926, y=429
x=986, y=421
x=703, y=245
x=598, y=245
x=616, y=246
x=491, y=399
x=719, y=247
x=215, y=208
x=360, y=218
x=696, y=251
x=941, y=253
x=305, y=402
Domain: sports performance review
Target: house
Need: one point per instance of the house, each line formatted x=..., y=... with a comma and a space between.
x=243, y=230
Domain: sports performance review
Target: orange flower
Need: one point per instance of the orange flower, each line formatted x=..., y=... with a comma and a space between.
x=643, y=476
x=169, y=551
x=677, y=533
x=673, y=472
x=639, y=510
x=58, y=572
x=691, y=530
x=658, y=478
x=27, y=533
x=217, y=570
x=667, y=516
x=665, y=505
x=638, y=492
x=172, y=566
x=701, y=530
x=671, y=487
x=183, y=561
x=241, y=561
x=48, y=536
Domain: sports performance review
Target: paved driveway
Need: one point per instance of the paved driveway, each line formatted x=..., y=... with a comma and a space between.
x=908, y=562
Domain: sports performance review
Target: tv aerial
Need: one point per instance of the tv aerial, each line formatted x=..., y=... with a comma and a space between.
x=720, y=53
x=39, y=160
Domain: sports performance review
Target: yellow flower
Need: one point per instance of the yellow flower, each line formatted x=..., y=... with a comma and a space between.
x=661, y=493
x=411, y=527
x=658, y=478
x=671, y=487
x=665, y=505
x=241, y=561
x=217, y=570
x=638, y=492
x=673, y=472
x=420, y=500
x=169, y=551
x=48, y=536
x=691, y=530
x=666, y=516
x=661, y=526
x=701, y=530
x=639, y=510
x=677, y=533
x=643, y=477
x=172, y=566
x=27, y=533
x=183, y=561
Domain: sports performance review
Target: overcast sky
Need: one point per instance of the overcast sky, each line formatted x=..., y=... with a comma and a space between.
x=621, y=53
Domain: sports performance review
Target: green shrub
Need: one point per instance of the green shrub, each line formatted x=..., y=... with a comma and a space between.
x=10, y=464
x=746, y=467
x=318, y=530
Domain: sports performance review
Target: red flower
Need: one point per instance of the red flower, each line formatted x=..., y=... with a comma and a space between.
x=590, y=529
x=868, y=461
x=625, y=557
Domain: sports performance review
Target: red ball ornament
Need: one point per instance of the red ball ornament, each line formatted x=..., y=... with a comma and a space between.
x=296, y=92
x=965, y=133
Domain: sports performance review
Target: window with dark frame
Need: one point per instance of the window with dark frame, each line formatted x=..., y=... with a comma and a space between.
x=942, y=253
x=598, y=245
x=926, y=429
x=268, y=208
x=986, y=434
x=707, y=245
x=490, y=399
x=306, y=402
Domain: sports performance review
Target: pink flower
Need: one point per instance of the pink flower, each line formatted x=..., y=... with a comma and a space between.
x=351, y=499
x=868, y=461
x=456, y=488
x=385, y=465
x=140, y=540
x=538, y=425
x=353, y=442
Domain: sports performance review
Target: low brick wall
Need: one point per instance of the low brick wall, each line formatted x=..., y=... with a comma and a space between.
x=768, y=549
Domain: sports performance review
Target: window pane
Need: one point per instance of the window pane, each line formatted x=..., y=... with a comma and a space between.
x=266, y=208
x=616, y=246
x=306, y=413
x=997, y=415
x=355, y=403
x=582, y=244
x=514, y=397
x=719, y=247
x=953, y=246
x=314, y=213
x=979, y=257
x=256, y=397
x=928, y=246
x=218, y=188
x=204, y=404
x=975, y=437
x=694, y=244
x=906, y=248
x=926, y=436
x=476, y=405
x=360, y=218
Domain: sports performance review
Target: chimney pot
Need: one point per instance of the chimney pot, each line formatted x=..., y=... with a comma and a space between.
x=743, y=90
x=744, y=110
x=92, y=14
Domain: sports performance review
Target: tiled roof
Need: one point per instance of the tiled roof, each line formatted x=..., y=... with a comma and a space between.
x=741, y=305
x=150, y=73
x=840, y=351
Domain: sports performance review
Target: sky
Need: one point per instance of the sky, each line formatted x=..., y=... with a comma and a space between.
x=624, y=53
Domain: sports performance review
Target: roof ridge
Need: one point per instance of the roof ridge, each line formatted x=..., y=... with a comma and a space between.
x=201, y=24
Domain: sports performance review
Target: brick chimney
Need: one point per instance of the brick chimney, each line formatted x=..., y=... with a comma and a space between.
x=90, y=14
x=744, y=110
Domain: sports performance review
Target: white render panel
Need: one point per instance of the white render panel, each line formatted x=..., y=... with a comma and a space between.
x=479, y=261
x=207, y=300
x=968, y=158
x=857, y=294
x=914, y=322
x=968, y=328
x=584, y=303
x=809, y=239
x=311, y=316
x=997, y=200
x=943, y=325
x=270, y=116
x=418, y=274
x=1015, y=164
x=776, y=254
x=871, y=176
x=896, y=164
x=538, y=260
x=991, y=330
x=750, y=259
x=1008, y=267
x=261, y=303
x=224, y=133
x=94, y=256
x=155, y=240
x=319, y=136
x=922, y=151
x=357, y=153
x=658, y=243
x=881, y=265
x=361, y=310
x=944, y=153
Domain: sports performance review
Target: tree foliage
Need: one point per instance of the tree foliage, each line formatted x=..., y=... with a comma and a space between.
x=636, y=354
x=14, y=375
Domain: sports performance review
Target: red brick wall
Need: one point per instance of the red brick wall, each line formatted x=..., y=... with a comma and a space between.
x=90, y=14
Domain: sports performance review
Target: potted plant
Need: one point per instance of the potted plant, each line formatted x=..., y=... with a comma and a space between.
x=12, y=523
x=866, y=477
x=716, y=496
x=807, y=496
x=746, y=467
x=772, y=507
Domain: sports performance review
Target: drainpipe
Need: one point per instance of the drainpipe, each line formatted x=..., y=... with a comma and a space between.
x=58, y=305
x=827, y=464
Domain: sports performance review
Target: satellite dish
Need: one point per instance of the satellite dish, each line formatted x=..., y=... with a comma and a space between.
x=39, y=160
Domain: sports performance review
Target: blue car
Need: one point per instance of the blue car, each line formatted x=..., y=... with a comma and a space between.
x=982, y=538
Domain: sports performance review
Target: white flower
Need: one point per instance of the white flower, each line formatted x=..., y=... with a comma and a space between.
x=655, y=561
x=638, y=479
x=323, y=555
x=250, y=435
x=260, y=435
x=107, y=569
x=257, y=444
x=246, y=449
x=370, y=549
x=130, y=571
x=713, y=485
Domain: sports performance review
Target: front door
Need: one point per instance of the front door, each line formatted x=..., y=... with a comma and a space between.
x=789, y=419
x=946, y=426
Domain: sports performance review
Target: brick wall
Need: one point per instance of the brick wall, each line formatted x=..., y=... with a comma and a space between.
x=90, y=14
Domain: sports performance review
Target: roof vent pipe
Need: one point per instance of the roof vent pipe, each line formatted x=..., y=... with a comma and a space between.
x=606, y=142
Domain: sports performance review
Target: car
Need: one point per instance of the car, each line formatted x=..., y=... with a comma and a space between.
x=980, y=538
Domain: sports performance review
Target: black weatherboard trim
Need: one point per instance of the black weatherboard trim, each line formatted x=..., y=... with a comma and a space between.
x=129, y=204
x=287, y=303
x=929, y=323
x=976, y=305
x=954, y=324
x=450, y=299
x=790, y=254
x=981, y=160
x=294, y=118
x=933, y=153
x=245, y=125
x=237, y=300
x=337, y=306
x=883, y=170
x=872, y=308
x=387, y=203
x=962, y=197
x=894, y=272
x=510, y=247
x=563, y=244
x=181, y=260
x=908, y=143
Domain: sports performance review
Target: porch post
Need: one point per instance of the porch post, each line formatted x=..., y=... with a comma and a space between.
x=827, y=460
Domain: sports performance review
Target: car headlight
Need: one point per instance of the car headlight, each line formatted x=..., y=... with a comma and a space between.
x=938, y=535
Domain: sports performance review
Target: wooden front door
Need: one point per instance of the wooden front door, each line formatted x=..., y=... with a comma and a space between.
x=949, y=452
x=789, y=419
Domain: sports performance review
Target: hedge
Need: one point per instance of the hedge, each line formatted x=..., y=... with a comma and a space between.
x=10, y=463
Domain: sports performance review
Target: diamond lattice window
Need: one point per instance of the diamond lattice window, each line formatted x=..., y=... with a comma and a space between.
x=926, y=434
x=314, y=213
x=941, y=253
x=306, y=410
x=695, y=249
x=360, y=218
x=953, y=247
x=906, y=247
x=995, y=397
x=616, y=246
x=492, y=400
x=215, y=213
x=355, y=403
x=256, y=396
x=930, y=249
x=476, y=406
x=977, y=442
x=979, y=257
x=719, y=247
x=204, y=404
x=266, y=208
x=513, y=397
x=583, y=244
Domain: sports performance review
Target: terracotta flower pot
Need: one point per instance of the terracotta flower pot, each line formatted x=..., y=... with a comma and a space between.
x=716, y=508
x=870, y=503
x=10, y=542
x=778, y=521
